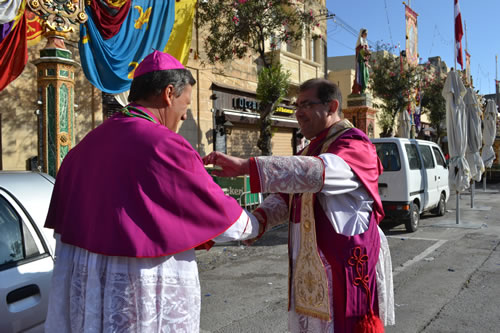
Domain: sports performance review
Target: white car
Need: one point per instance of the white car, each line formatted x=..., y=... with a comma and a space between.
x=415, y=179
x=26, y=251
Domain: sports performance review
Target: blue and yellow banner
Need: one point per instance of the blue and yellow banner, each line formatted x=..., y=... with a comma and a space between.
x=109, y=64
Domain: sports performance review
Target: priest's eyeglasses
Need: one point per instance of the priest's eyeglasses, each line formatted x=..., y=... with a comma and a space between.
x=306, y=106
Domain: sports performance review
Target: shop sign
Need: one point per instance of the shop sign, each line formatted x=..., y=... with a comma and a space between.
x=244, y=104
x=282, y=109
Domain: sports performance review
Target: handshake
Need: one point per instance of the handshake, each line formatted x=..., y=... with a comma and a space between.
x=229, y=166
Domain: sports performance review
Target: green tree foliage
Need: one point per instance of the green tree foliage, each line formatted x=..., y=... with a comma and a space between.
x=271, y=88
x=434, y=102
x=237, y=28
x=393, y=81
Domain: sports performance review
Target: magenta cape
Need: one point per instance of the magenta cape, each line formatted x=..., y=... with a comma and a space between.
x=350, y=302
x=134, y=188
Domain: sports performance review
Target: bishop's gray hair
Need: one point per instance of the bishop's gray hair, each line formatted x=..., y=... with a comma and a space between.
x=153, y=83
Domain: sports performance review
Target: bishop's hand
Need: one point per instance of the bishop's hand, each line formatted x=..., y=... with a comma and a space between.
x=230, y=166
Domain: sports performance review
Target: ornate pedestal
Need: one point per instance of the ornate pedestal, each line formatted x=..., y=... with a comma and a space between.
x=56, y=80
x=360, y=113
x=56, y=87
x=359, y=100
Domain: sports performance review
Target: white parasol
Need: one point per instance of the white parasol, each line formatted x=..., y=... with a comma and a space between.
x=404, y=128
x=474, y=135
x=456, y=126
x=489, y=133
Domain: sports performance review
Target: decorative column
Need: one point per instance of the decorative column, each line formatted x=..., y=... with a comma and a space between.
x=56, y=81
x=360, y=113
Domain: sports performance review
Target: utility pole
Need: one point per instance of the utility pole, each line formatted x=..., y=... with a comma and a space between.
x=497, y=93
x=467, y=72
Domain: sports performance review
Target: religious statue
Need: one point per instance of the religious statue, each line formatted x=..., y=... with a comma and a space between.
x=362, y=57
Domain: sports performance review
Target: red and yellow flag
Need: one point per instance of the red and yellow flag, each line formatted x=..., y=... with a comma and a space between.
x=34, y=28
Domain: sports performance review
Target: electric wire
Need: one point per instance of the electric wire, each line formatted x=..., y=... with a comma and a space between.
x=388, y=23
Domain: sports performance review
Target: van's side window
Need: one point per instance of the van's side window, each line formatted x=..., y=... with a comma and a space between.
x=389, y=156
x=413, y=159
x=439, y=157
x=427, y=157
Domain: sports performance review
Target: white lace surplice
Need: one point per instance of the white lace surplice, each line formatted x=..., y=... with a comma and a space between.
x=97, y=293
x=346, y=204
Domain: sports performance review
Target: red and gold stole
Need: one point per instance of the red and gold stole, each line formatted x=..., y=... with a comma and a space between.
x=310, y=280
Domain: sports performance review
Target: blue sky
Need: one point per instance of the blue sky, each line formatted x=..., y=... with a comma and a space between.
x=385, y=21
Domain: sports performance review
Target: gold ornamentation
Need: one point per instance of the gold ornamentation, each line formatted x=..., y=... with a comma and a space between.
x=82, y=17
x=64, y=139
x=143, y=17
x=59, y=15
x=131, y=73
x=116, y=3
x=310, y=279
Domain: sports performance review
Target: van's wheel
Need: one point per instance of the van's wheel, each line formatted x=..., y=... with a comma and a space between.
x=441, y=208
x=411, y=224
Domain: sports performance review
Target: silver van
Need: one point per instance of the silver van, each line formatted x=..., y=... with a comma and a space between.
x=415, y=179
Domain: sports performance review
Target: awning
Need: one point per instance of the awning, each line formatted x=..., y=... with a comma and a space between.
x=253, y=118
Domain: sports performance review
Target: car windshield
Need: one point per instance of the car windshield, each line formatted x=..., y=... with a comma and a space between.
x=389, y=156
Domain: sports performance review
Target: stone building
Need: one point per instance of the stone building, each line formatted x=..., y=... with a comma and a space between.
x=222, y=115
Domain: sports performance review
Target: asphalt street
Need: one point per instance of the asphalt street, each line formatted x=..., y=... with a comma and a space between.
x=446, y=275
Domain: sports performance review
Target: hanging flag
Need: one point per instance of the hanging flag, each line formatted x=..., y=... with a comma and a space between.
x=411, y=36
x=459, y=32
x=108, y=15
x=13, y=54
x=179, y=42
x=109, y=64
x=33, y=28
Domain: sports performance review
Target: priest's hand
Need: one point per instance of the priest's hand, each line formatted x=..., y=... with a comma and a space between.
x=231, y=166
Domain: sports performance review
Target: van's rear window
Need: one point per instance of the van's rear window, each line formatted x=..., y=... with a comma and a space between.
x=389, y=156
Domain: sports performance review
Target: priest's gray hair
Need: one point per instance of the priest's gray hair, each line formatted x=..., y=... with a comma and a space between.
x=153, y=83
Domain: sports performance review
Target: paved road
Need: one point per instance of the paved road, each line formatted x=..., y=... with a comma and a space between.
x=446, y=276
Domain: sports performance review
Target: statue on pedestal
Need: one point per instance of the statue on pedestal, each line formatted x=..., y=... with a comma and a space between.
x=362, y=57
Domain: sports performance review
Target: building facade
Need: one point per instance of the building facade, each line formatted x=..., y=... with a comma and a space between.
x=223, y=114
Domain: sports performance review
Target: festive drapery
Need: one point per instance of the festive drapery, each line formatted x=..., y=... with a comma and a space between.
x=109, y=15
x=13, y=48
x=116, y=37
x=7, y=27
x=179, y=42
x=9, y=10
x=109, y=64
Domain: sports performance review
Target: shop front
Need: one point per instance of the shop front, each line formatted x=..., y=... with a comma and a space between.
x=236, y=124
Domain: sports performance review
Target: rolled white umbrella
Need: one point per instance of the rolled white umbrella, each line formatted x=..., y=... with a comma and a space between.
x=474, y=135
x=456, y=126
x=489, y=133
x=404, y=128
